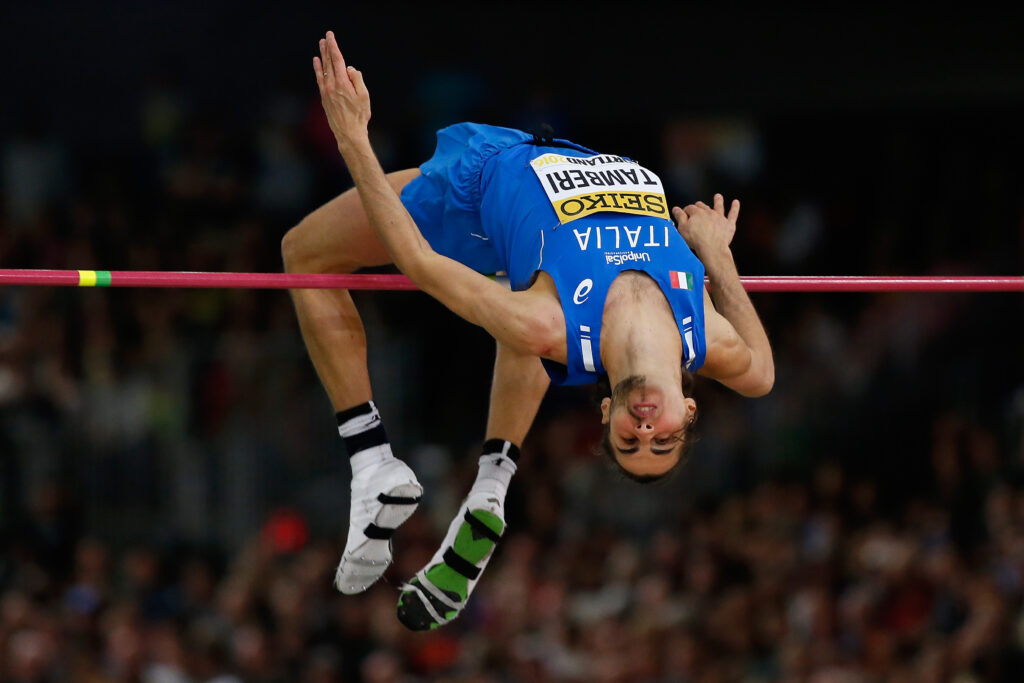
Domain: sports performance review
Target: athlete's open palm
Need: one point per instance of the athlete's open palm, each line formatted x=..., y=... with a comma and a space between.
x=705, y=227
x=343, y=93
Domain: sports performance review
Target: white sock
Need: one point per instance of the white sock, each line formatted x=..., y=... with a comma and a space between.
x=495, y=469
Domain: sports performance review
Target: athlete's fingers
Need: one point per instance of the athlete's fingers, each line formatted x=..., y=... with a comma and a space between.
x=734, y=211
x=692, y=209
x=719, y=203
x=325, y=59
x=337, y=61
x=679, y=215
x=318, y=72
x=357, y=81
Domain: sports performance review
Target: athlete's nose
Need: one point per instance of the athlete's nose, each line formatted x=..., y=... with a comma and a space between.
x=643, y=426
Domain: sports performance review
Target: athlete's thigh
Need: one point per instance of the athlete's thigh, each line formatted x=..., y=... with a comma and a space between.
x=338, y=237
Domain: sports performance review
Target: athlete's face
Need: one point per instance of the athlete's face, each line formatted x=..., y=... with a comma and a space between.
x=646, y=423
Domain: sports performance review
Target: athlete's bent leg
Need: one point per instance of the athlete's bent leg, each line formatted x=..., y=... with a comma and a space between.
x=338, y=238
x=438, y=593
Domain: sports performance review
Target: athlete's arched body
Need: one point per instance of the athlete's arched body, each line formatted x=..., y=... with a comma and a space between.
x=602, y=281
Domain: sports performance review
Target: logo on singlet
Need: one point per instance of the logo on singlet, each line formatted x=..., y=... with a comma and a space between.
x=582, y=291
x=617, y=258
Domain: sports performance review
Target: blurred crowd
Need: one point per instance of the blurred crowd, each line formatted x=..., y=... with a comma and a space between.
x=809, y=578
x=173, y=492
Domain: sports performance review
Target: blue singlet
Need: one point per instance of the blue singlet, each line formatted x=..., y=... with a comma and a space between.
x=498, y=199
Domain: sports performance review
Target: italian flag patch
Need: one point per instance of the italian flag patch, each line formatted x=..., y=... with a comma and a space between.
x=681, y=280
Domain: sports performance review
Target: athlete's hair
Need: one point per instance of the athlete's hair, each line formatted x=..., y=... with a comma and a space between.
x=687, y=439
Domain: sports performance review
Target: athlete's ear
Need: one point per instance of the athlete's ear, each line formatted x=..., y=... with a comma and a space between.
x=691, y=408
x=606, y=405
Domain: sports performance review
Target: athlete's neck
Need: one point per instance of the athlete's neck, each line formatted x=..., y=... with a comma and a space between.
x=638, y=333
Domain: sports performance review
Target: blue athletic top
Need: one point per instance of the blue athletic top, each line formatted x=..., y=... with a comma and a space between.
x=499, y=199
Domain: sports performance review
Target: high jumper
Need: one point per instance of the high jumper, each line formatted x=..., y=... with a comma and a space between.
x=603, y=284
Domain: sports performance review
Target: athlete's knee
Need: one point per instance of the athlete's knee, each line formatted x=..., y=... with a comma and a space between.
x=292, y=249
x=303, y=251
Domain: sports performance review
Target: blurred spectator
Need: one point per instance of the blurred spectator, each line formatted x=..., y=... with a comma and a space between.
x=35, y=170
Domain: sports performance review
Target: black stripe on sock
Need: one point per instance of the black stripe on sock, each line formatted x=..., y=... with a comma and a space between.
x=461, y=564
x=378, y=533
x=397, y=500
x=481, y=528
x=496, y=446
x=355, y=411
x=375, y=436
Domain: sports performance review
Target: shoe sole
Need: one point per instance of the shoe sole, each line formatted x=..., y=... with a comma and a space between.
x=375, y=555
x=418, y=607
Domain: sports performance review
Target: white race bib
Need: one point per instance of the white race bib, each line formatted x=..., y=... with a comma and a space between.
x=580, y=186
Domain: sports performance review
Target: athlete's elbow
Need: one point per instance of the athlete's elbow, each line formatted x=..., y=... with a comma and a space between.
x=762, y=388
x=539, y=337
x=764, y=382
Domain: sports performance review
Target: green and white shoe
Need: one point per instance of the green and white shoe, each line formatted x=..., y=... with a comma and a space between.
x=438, y=593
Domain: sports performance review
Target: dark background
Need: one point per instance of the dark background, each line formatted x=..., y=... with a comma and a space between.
x=177, y=428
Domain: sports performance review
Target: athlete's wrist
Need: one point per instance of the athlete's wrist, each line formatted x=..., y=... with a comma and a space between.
x=353, y=141
x=714, y=253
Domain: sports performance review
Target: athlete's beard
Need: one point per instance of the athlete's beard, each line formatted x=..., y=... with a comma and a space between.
x=622, y=390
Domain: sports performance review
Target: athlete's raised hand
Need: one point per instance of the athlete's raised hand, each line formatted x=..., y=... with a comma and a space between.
x=704, y=227
x=343, y=94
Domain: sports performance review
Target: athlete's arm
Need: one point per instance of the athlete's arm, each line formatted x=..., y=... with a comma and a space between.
x=728, y=357
x=739, y=354
x=527, y=322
